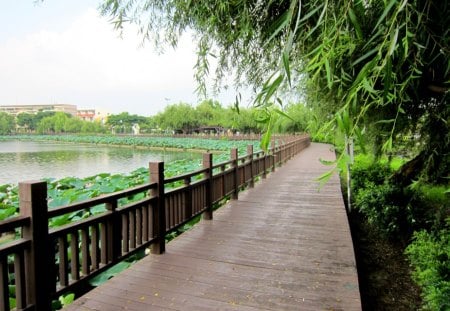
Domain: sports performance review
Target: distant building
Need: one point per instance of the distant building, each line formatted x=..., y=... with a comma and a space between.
x=33, y=109
x=93, y=115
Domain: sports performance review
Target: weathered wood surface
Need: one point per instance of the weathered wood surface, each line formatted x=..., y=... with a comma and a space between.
x=283, y=245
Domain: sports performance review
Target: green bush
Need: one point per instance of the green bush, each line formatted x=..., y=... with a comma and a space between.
x=393, y=209
x=365, y=170
x=383, y=206
x=431, y=204
x=429, y=255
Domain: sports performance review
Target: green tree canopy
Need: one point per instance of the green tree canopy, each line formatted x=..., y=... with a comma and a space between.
x=179, y=116
x=375, y=69
x=7, y=123
x=123, y=121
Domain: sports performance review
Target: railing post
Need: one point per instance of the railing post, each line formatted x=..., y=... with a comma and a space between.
x=207, y=164
x=264, y=174
x=250, y=157
x=274, y=155
x=159, y=211
x=113, y=233
x=39, y=259
x=188, y=198
x=235, y=165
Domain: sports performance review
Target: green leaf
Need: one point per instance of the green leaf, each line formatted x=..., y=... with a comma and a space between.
x=265, y=141
x=6, y=212
x=393, y=43
x=385, y=121
x=328, y=70
x=340, y=123
x=279, y=24
x=282, y=113
x=385, y=13
x=310, y=13
x=103, y=277
x=387, y=146
x=66, y=299
x=355, y=23
x=325, y=177
x=286, y=66
x=360, y=139
x=327, y=162
x=366, y=55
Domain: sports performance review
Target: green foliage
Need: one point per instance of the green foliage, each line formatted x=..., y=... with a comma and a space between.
x=111, y=272
x=298, y=119
x=123, y=122
x=143, y=141
x=382, y=205
x=396, y=211
x=434, y=203
x=7, y=124
x=384, y=64
x=72, y=189
x=368, y=170
x=186, y=118
x=418, y=211
x=429, y=254
x=60, y=122
x=66, y=299
x=179, y=117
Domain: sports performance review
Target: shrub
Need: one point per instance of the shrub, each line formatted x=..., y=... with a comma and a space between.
x=431, y=204
x=429, y=255
x=366, y=169
x=381, y=204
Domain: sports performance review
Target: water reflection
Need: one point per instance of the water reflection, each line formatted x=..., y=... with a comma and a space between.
x=22, y=160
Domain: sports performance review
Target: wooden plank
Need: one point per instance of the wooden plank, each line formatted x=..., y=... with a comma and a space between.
x=283, y=245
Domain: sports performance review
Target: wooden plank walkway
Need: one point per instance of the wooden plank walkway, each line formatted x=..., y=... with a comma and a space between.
x=283, y=245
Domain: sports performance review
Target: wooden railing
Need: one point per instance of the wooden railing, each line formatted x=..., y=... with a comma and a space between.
x=45, y=263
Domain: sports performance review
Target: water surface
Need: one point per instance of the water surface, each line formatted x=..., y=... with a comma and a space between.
x=26, y=160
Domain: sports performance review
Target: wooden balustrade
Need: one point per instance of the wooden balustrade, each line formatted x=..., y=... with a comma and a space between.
x=46, y=263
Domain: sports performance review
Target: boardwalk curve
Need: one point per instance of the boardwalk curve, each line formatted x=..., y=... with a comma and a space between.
x=283, y=245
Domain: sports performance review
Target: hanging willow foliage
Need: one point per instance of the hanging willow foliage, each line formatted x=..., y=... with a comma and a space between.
x=375, y=68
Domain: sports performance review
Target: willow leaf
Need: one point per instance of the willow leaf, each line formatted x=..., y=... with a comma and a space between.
x=360, y=139
x=385, y=121
x=387, y=146
x=266, y=139
x=385, y=13
x=279, y=25
x=340, y=123
x=328, y=70
x=310, y=13
x=272, y=88
x=393, y=43
x=366, y=55
x=325, y=177
x=282, y=113
x=327, y=162
x=355, y=23
x=286, y=66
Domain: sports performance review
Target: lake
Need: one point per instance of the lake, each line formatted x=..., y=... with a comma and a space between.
x=26, y=160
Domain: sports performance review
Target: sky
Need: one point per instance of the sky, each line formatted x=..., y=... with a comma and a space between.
x=64, y=52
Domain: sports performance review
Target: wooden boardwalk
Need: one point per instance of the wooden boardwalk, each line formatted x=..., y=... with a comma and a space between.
x=283, y=245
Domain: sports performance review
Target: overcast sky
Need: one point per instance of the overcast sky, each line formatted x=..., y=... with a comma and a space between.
x=62, y=51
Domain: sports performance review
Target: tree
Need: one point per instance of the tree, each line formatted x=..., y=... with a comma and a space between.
x=26, y=120
x=123, y=122
x=208, y=112
x=179, y=116
x=7, y=123
x=378, y=67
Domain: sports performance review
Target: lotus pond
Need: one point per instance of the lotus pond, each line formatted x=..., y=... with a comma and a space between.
x=76, y=187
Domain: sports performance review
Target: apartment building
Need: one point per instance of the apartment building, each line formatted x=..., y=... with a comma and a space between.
x=33, y=109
